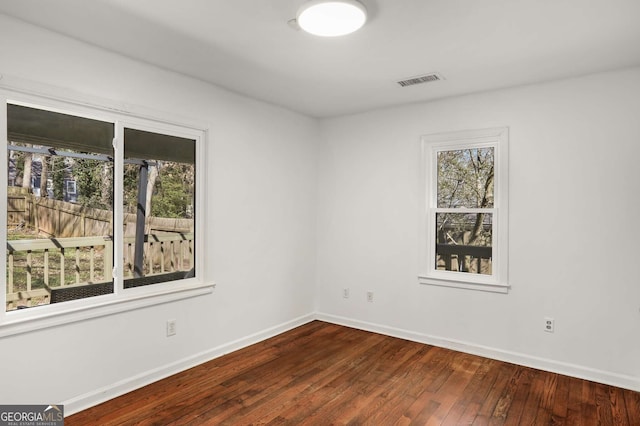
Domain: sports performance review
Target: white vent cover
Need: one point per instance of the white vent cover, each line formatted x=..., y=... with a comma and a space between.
x=427, y=78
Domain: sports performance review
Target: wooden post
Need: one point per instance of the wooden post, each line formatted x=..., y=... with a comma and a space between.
x=46, y=266
x=29, y=262
x=108, y=259
x=61, y=266
x=150, y=248
x=77, y=265
x=140, y=221
x=92, y=254
x=192, y=255
x=27, y=216
x=57, y=225
x=10, y=278
x=447, y=262
x=36, y=215
x=172, y=257
x=162, y=270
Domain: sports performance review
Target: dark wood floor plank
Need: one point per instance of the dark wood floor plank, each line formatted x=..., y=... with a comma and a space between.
x=560, y=400
x=343, y=370
x=408, y=370
x=370, y=383
x=575, y=405
x=535, y=401
x=334, y=394
x=588, y=402
x=320, y=374
x=436, y=370
x=517, y=407
x=334, y=365
x=513, y=387
x=618, y=406
x=467, y=406
x=549, y=392
x=463, y=368
x=392, y=404
x=503, y=373
x=632, y=404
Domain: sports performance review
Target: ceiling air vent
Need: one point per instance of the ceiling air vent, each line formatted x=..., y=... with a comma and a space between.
x=420, y=79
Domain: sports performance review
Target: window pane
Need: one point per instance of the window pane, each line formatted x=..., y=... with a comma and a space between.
x=159, y=196
x=59, y=207
x=465, y=178
x=464, y=242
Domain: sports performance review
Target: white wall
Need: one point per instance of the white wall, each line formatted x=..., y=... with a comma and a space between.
x=260, y=230
x=574, y=226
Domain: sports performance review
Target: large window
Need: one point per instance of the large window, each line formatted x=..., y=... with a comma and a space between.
x=465, y=243
x=100, y=207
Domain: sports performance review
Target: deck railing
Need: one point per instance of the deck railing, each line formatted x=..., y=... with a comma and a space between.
x=167, y=252
x=465, y=258
x=43, y=262
x=34, y=266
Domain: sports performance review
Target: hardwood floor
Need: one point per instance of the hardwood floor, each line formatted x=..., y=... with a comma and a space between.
x=321, y=374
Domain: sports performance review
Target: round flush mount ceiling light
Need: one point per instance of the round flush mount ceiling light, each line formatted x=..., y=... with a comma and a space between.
x=330, y=18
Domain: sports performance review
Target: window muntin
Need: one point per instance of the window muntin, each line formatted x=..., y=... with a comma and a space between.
x=73, y=143
x=465, y=235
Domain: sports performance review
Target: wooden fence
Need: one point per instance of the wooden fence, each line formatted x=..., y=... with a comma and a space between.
x=62, y=219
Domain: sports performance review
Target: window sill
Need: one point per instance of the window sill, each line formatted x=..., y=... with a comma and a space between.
x=38, y=318
x=467, y=285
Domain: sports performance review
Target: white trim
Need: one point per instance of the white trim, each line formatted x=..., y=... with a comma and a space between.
x=199, y=136
x=12, y=85
x=498, y=138
x=99, y=306
x=71, y=183
x=121, y=387
x=118, y=200
x=453, y=281
x=4, y=142
x=553, y=366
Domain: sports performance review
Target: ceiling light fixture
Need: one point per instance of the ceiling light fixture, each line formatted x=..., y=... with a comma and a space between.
x=330, y=18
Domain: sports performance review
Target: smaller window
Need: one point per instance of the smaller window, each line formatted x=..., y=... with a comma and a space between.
x=465, y=225
x=71, y=187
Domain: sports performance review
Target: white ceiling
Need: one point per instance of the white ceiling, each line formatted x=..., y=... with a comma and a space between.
x=247, y=46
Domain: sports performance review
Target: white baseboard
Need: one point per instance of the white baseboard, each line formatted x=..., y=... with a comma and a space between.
x=600, y=376
x=114, y=390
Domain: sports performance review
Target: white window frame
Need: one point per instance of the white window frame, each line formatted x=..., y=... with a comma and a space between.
x=71, y=186
x=498, y=138
x=53, y=99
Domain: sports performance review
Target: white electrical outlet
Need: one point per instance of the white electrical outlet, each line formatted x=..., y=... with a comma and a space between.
x=345, y=293
x=370, y=296
x=549, y=324
x=171, y=327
